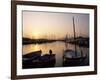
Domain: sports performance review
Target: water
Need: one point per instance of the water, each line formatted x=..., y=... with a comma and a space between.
x=57, y=48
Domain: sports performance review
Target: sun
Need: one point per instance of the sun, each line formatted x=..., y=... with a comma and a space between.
x=36, y=35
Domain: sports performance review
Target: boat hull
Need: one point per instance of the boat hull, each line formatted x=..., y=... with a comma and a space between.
x=72, y=60
x=46, y=60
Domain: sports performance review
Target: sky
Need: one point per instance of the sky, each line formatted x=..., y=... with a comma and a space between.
x=53, y=25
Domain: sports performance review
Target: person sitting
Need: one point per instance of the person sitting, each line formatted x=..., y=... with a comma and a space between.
x=50, y=52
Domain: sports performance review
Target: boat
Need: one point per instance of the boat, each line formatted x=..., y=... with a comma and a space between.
x=36, y=60
x=68, y=55
x=47, y=57
x=48, y=60
x=32, y=55
x=27, y=59
x=71, y=57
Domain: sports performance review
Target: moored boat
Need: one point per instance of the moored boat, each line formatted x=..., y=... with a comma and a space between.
x=32, y=55
x=27, y=59
x=71, y=57
x=48, y=60
x=36, y=60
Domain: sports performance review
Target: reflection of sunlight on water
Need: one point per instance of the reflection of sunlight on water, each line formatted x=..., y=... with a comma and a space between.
x=56, y=47
x=35, y=47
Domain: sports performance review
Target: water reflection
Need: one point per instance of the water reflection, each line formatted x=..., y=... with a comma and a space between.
x=57, y=49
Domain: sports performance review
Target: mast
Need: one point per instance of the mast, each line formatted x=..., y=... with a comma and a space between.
x=74, y=36
x=74, y=28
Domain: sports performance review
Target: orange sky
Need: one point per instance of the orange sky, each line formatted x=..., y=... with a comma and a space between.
x=53, y=25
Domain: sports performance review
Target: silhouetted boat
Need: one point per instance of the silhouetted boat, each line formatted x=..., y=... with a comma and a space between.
x=27, y=59
x=48, y=60
x=32, y=55
x=47, y=57
x=36, y=60
x=35, y=54
x=71, y=56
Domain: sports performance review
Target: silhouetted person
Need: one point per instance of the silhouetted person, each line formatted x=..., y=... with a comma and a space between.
x=50, y=52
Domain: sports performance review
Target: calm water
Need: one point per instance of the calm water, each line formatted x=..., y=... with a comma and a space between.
x=57, y=48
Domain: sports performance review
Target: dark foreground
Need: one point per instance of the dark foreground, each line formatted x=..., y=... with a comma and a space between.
x=37, y=60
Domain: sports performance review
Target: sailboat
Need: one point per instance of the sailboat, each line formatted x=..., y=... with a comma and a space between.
x=70, y=56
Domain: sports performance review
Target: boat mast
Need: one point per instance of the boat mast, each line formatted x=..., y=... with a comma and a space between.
x=74, y=36
x=74, y=28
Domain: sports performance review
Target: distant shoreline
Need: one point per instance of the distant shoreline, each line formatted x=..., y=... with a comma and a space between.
x=37, y=41
x=80, y=41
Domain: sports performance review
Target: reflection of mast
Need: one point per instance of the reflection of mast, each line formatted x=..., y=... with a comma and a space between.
x=66, y=38
x=74, y=36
